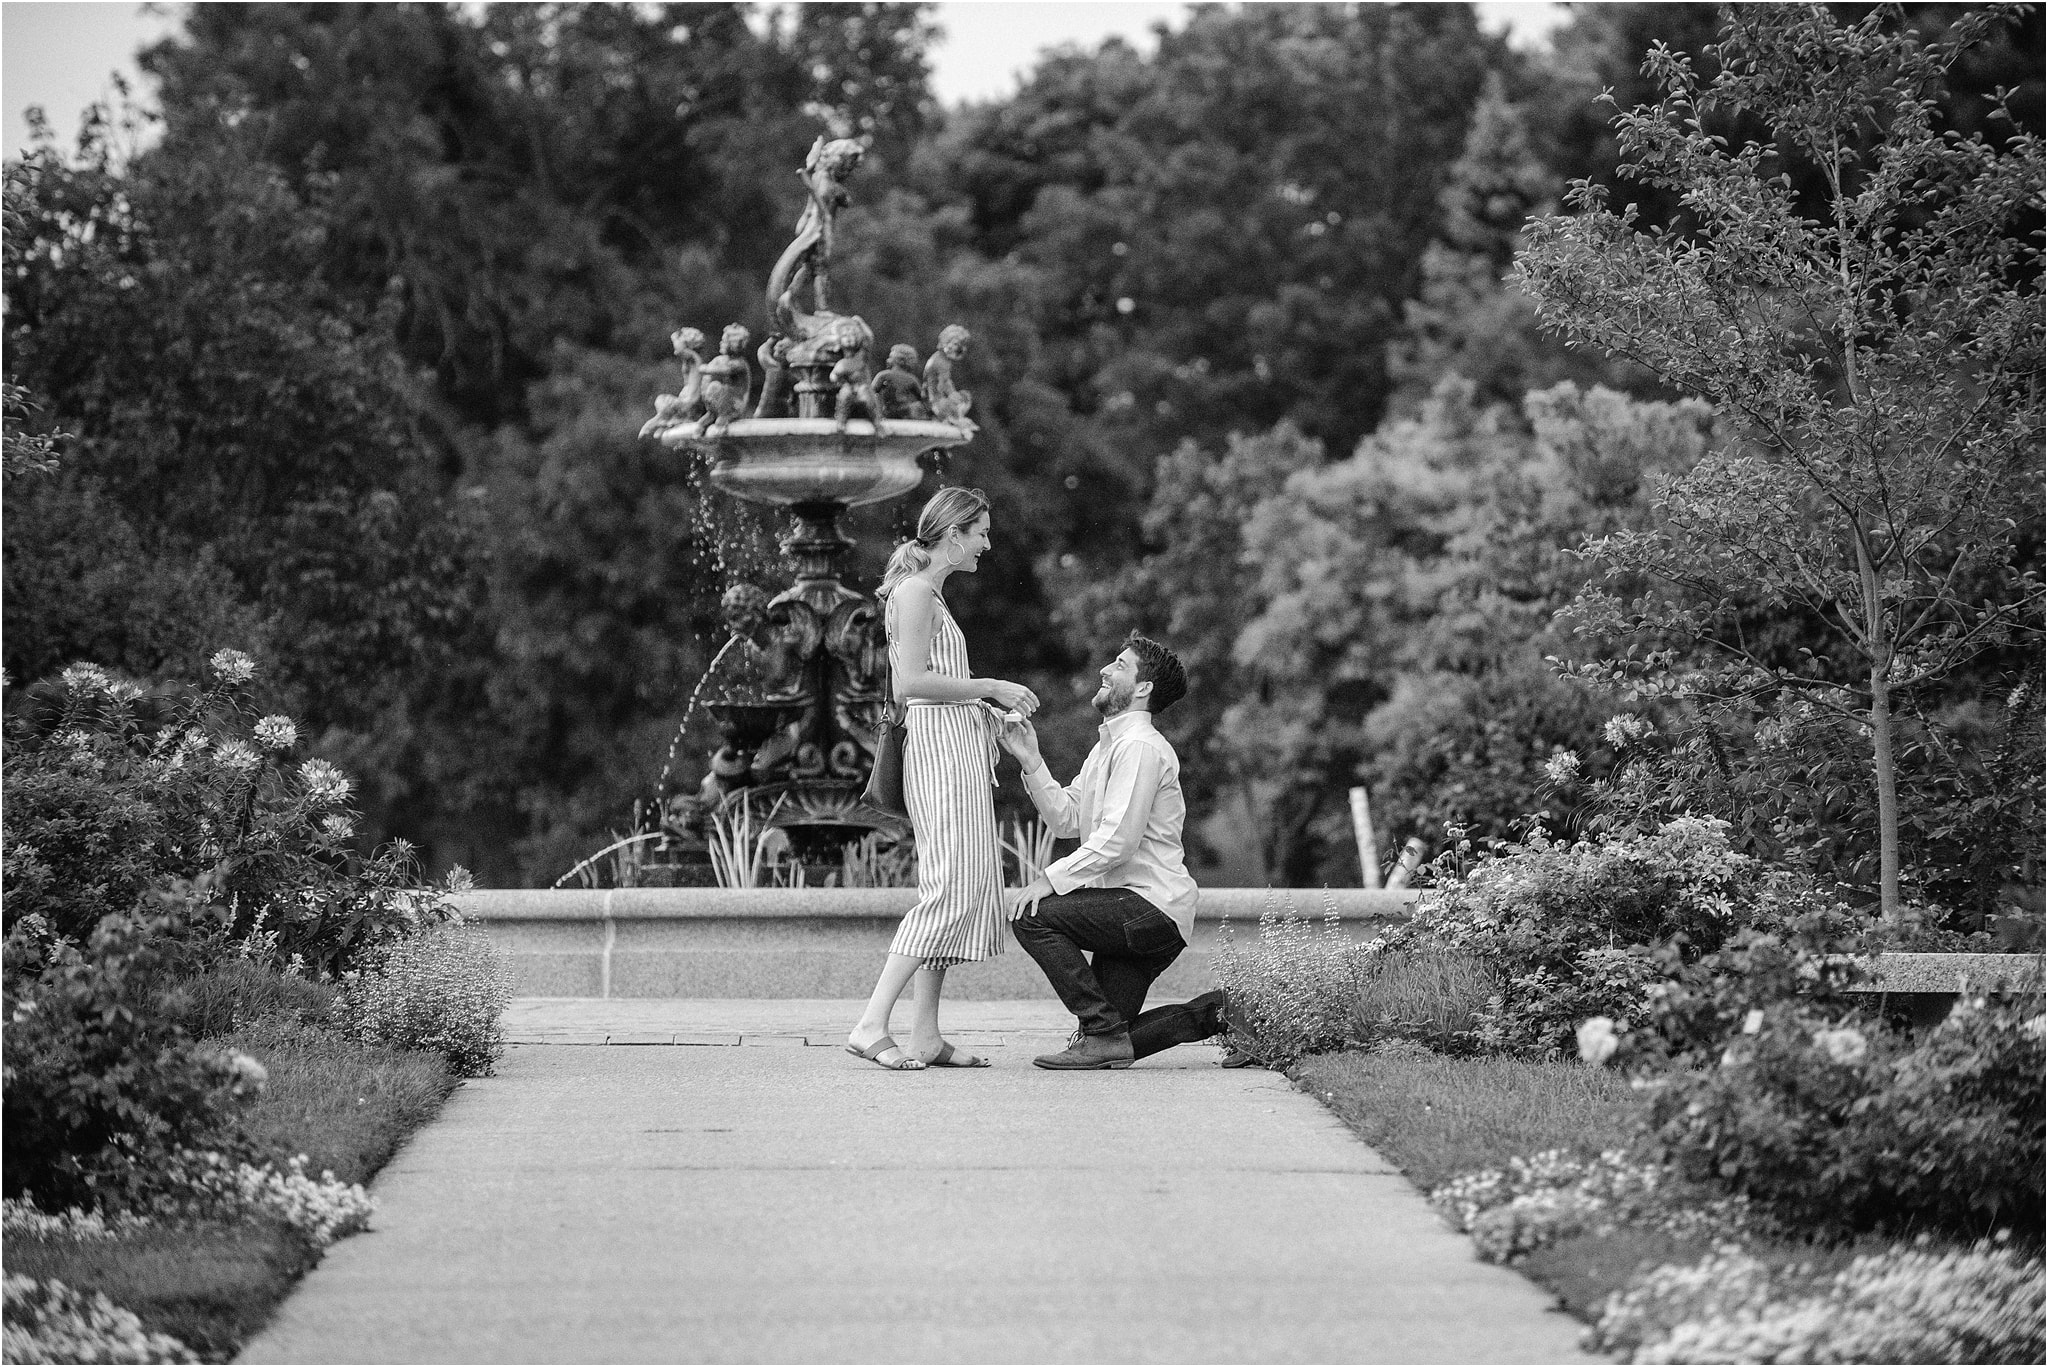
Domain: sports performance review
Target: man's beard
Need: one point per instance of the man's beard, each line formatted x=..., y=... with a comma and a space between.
x=1118, y=701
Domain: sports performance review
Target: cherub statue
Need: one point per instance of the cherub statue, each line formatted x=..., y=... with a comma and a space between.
x=673, y=410
x=850, y=373
x=948, y=404
x=898, y=391
x=727, y=382
x=743, y=608
x=774, y=358
x=809, y=256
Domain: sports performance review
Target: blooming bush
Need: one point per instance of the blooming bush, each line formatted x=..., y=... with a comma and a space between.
x=444, y=990
x=113, y=786
x=49, y=1322
x=1538, y=1200
x=1907, y=1304
x=1838, y=1126
x=1806, y=950
x=1571, y=929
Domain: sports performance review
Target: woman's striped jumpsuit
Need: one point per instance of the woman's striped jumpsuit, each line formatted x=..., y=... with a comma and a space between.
x=948, y=785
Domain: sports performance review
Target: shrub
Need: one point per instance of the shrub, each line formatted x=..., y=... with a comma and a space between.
x=1588, y=929
x=49, y=1322
x=113, y=786
x=443, y=990
x=98, y=1080
x=1906, y=1304
x=1839, y=1127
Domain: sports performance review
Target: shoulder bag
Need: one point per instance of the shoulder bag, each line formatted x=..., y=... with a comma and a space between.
x=885, y=780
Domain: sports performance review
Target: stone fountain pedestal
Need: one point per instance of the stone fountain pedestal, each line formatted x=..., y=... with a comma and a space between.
x=800, y=741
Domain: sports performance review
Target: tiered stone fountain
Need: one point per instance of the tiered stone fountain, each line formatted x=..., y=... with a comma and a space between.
x=799, y=691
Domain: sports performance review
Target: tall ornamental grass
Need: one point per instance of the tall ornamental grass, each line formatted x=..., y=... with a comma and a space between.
x=1298, y=988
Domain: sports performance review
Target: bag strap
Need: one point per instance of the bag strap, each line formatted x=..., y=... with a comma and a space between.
x=893, y=712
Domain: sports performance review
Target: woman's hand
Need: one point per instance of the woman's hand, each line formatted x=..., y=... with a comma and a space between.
x=1013, y=697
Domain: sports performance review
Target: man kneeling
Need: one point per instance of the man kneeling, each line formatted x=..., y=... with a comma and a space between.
x=1125, y=896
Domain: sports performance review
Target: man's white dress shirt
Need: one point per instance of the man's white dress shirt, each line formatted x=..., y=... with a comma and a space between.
x=1127, y=805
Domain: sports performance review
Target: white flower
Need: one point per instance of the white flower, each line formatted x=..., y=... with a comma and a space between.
x=249, y=1074
x=75, y=738
x=236, y=755
x=337, y=827
x=276, y=733
x=86, y=677
x=1845, y=1046
x=1625, y=728
x=325, y=784
x=124, y=691
x=1597, y=1040
x=1562, y=768
x=1753, y=1022
x=233, y=666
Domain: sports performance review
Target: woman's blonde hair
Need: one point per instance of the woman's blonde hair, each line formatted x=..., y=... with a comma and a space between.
x=947, y=509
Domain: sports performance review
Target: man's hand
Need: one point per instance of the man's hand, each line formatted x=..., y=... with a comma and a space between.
x=1020, y=738
x=1026, y=900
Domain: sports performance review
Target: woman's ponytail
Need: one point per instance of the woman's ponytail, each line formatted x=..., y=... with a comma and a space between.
x=906, y=560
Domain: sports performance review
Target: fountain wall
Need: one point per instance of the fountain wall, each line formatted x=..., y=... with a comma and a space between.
x=810, y=942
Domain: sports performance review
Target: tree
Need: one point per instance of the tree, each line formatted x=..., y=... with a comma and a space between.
x=1465, y=317
x=1877, y=343
x=1401, y=607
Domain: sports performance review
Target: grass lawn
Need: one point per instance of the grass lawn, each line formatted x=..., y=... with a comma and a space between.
x=347, y=1107
x=1437, y=1118
x=209, y=1286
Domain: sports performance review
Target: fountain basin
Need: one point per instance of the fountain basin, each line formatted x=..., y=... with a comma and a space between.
x=789, y=461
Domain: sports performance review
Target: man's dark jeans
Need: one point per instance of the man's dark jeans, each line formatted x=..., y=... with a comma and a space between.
x=1133, y=943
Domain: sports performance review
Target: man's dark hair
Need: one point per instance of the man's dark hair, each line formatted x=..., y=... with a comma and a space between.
x=1159, y=667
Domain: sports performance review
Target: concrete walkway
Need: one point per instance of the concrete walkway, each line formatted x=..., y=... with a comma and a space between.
x=782, y=1203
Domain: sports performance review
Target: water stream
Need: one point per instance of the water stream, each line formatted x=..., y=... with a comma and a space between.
x=689, y=710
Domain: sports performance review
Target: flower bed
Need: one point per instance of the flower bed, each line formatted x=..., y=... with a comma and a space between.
x=205, y=983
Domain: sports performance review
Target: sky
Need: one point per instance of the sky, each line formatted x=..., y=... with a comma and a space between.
x=60, y=53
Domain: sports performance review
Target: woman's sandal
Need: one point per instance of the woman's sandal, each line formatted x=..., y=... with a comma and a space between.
x=947, y=1057
x=873, y=1054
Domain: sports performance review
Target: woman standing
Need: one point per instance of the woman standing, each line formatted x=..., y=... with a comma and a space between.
x=948, y=782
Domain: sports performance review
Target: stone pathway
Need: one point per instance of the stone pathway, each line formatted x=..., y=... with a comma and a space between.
x=793, y=1204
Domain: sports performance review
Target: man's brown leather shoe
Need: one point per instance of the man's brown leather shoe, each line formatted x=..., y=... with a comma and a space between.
x=1092, y=1051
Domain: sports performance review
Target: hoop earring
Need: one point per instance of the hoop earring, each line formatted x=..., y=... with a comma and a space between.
x=949, y=556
